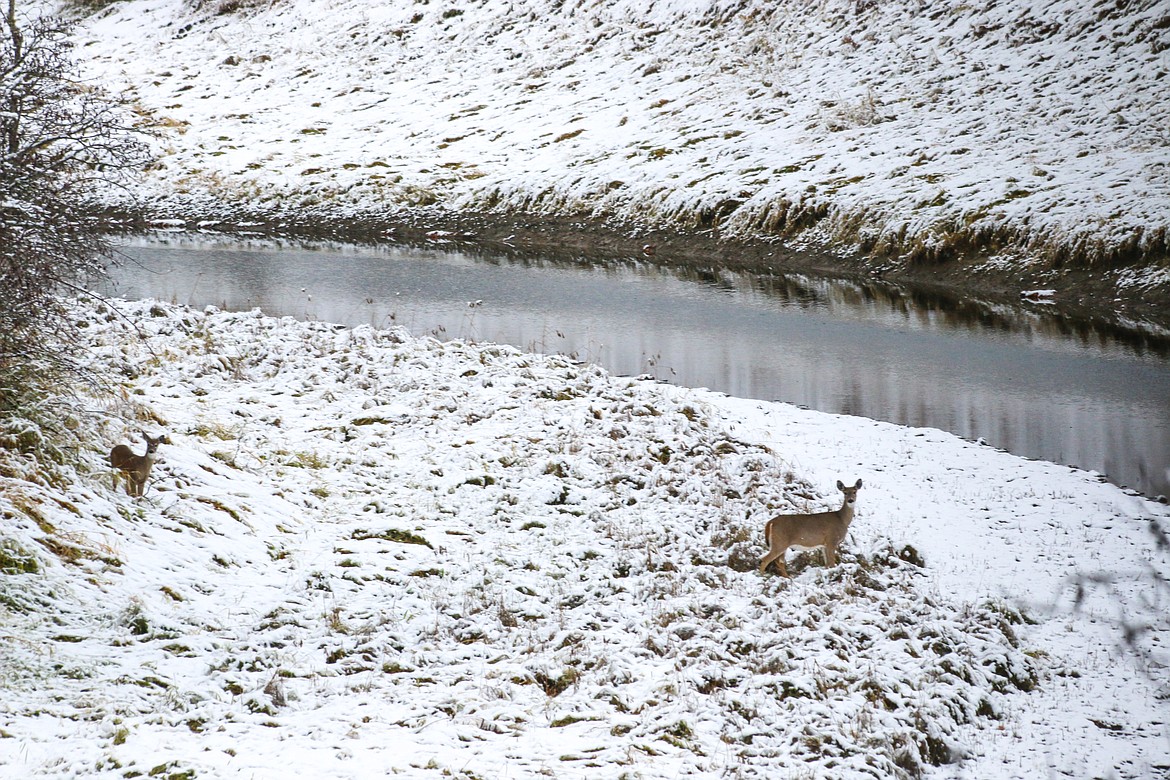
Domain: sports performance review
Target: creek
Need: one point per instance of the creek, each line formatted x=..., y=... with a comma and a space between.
x=1018, y=378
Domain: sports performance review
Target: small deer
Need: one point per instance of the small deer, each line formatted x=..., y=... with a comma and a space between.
x=807, y=532
x=135, y=468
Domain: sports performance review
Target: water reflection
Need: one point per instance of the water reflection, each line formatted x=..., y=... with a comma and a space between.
x=1032, y=383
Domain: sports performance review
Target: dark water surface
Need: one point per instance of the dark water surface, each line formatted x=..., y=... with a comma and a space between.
x=1020, y=379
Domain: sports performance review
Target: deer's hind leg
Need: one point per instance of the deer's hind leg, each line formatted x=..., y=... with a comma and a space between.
x=773, y=555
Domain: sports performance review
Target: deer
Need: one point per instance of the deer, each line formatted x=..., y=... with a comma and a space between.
x=135, y=468
x=809, y=531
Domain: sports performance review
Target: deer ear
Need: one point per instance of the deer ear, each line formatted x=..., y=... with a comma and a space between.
x=855, y=487
x=841, y=486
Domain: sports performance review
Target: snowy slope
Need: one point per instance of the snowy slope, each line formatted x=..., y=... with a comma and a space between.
x=1010, y=125
x=365, y=554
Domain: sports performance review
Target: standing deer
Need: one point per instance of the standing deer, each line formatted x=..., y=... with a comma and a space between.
x=807, y=532
x=135, y=468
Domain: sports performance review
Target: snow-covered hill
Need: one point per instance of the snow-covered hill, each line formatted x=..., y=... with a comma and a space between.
x=1035, y=129
x=368, y=555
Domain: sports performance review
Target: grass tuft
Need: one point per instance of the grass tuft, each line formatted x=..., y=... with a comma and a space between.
x=392, y=535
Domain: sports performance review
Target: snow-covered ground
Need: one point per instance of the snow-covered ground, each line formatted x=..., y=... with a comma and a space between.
x=365, y=554
x=1037, y=127
x=368, y=554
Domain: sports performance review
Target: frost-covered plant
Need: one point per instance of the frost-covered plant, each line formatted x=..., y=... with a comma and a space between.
x=60, y=142
x=219, y=7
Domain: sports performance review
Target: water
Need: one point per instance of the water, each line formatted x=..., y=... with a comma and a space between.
x=1019, y=379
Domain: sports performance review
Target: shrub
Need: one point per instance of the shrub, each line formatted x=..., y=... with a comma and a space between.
x=59, y=141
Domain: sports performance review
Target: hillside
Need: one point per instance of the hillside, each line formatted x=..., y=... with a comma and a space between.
x=368, y=554
x=364, y=554
x=1024, y=136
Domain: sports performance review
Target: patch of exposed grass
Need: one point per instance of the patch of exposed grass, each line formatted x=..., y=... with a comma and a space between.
x=392, y=535
x=306, y=460
x=222, y=507
x=569, y=720
x=74, y=549
x=555, y=686
x=14, y=559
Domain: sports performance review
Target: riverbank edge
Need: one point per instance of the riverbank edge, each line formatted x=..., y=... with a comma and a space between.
x=1097, y=296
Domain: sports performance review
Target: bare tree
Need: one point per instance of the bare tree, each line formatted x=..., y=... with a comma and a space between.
x=61, y=143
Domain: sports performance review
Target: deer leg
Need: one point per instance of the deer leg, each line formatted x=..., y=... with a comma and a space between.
x=766, y=562
x=772, y=554
x=774, y=557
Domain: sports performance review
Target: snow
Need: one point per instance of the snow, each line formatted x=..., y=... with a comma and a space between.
x=369, y=554
x=1039, y=127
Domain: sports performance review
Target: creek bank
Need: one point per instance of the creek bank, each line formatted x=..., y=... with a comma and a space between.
x=1097, y=297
